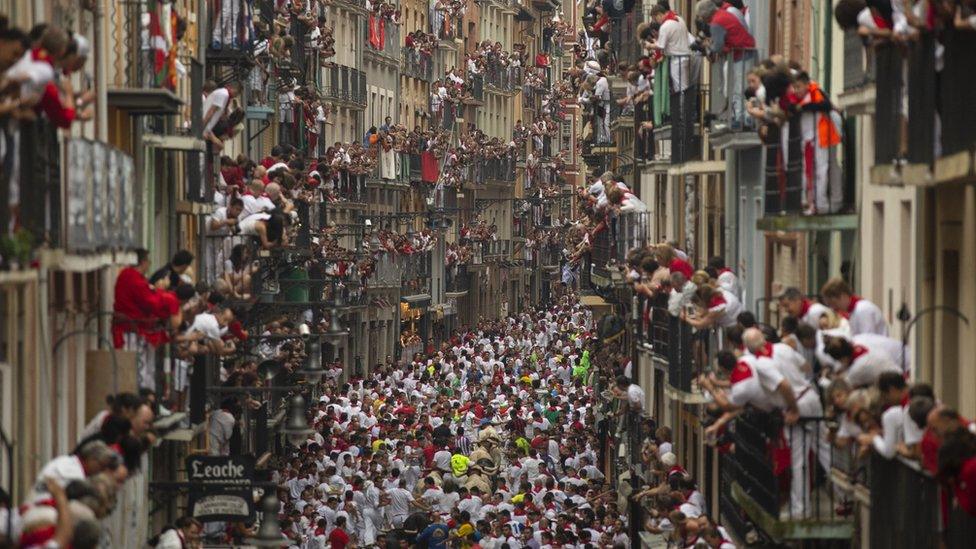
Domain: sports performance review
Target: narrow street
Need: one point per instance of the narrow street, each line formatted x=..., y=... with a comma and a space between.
x=495, y=274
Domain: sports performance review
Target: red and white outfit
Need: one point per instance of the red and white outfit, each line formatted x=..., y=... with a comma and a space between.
x=867, y=365
x=804, y=436
x=754, y=382
x=865, y=317
x=811, y=312
x=729, y=305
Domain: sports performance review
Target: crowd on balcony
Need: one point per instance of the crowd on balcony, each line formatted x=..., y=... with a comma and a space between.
x=827, y=378
x=381, y=14
x=880, y=21
x=75, y=491
x=445, y=17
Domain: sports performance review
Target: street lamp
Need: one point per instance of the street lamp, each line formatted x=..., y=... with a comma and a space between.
x=313, y=370
x=905, y=316
x=269, y=534
x=336, y=330
x=297, y=429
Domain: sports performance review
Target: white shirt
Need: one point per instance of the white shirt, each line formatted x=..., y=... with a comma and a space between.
x=889, y=346
x=868, y=367
x=635, y=395
x=754, y=381
x=893, y=432
x=35, y=76
x=866, y=317
x=206, y=324
x=218, y=98
x=730, y=309
x=790, y=364
x=256, y=204
x=399, y=502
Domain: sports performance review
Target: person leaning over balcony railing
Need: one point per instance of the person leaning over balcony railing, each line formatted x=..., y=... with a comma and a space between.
x=716, y=307
x=861, y=366
x=895, y=396
x=802, y=437
x=36, y=73
x=630, y=392
x=752, y=382
x=681, y=295
x=728, y=29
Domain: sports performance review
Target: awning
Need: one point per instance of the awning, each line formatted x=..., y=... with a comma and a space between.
x=595, y=302
x=415, y=299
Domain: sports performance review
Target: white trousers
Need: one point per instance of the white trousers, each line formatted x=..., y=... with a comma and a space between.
x=802, y=438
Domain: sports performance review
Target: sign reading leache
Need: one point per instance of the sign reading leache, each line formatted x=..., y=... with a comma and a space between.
x=220, y=487
x=220, y=470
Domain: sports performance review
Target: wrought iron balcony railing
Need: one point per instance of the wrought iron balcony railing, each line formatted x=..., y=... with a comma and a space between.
x=728, y=87
x=919, y=139
x=505, y=79
x=91, y=208
x=620, y=234
x=678, y=102
x=384, y=37
x=417, y=64
x=344, y=83
x=140, y=84
x=755, y=469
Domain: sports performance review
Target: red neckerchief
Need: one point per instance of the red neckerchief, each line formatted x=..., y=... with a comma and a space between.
x=39, y=54
x=741, y=372
x=724, y=270
x=716, y=300
x=859, y=351
x=901, y=404
x=880, y=21
x=670, y=16
x=766, y=351
x=804, y=306
x=853, y=303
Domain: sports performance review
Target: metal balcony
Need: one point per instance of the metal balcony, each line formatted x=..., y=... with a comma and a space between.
x=345, y=84
x=458, y=281
x=678, y=101
x=751, y=477
x=731, y=126
x=936, y=143
x=418, y=65
x=138, y=86
x=386, y=44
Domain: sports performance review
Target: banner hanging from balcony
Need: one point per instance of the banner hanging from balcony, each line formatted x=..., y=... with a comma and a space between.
x=220, y=488
x=101, y=203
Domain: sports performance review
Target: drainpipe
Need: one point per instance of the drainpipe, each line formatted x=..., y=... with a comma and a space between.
x=100, y=62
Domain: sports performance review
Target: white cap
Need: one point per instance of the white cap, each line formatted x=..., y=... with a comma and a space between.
x=82, y=45
x=669, y=459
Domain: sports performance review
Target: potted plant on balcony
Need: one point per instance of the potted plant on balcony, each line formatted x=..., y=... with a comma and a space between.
x=15, y=250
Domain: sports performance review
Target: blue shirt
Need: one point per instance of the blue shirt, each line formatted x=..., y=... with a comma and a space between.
x=435, y=535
